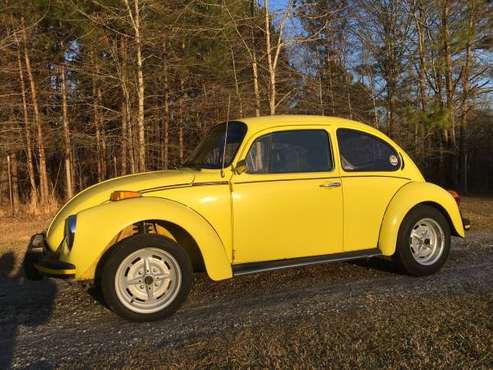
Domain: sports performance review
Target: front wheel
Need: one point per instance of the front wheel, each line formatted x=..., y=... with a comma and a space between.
x=423, y=242
x=146, y=277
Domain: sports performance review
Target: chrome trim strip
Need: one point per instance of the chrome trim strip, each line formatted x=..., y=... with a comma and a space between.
x=206, y=183
x=165, y=187
x=391, y=176
x=254, y=267
x=279, y=180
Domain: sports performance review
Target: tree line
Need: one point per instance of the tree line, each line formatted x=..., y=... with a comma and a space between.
x=96, y=89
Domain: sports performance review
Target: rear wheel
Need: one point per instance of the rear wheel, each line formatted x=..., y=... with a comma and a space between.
x=146, y=277
x=423, y=242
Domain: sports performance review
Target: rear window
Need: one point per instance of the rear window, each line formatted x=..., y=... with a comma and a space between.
x=361, y=151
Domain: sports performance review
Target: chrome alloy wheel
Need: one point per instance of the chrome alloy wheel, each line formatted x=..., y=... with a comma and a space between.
x=427, y=241
x=148, y=280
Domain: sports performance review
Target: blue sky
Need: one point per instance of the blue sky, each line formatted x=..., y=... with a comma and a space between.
x=276, y=4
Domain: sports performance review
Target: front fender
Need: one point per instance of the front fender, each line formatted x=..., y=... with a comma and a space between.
x=409, y=196
x=98, y=226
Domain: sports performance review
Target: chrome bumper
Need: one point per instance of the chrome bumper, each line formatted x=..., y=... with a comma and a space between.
x=41, y=261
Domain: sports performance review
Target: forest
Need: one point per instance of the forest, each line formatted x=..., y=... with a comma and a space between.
x=94, y=89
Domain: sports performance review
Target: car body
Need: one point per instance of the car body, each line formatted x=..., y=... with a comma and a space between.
x=284, y=191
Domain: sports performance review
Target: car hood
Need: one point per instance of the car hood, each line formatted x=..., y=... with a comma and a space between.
x=100, y=193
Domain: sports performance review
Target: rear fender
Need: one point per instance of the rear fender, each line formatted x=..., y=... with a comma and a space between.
x=409, y=196
x=97, y=228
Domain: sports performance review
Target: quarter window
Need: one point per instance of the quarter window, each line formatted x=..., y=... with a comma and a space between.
x=290, y=152
x=364, y=152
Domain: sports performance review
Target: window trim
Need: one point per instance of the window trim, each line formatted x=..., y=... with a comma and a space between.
x=397, y=153
x=329, y=142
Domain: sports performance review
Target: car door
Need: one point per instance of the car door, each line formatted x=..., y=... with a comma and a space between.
x=288, y=202
x=371, y=174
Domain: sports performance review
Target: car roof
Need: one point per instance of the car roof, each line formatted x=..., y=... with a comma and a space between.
x=264, y=122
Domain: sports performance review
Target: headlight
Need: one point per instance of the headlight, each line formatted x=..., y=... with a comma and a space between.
x=70, y=224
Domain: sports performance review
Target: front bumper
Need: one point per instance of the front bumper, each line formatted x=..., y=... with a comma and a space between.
x=41, y=261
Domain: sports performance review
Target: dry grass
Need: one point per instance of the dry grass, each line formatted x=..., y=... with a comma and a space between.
x=422, y=332
x=479, y=211
x=15, y=233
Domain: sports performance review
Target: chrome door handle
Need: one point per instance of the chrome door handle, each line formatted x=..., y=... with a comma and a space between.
x=331, y=185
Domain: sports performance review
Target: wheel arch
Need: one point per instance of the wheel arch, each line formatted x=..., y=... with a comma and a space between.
x=443, y=211
x=175, y=221
x=162, y=228
x=408, y=197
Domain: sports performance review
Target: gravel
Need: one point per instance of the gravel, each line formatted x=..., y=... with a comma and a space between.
x=339, y=315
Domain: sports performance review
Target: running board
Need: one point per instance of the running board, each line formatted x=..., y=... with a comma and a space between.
x=254, y=267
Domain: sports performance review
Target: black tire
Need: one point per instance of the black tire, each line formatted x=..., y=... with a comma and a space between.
x=130, y=245
x=403, y=256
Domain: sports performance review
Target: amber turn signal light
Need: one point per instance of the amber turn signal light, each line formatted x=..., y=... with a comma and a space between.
x=456, y=196
x=123, y=194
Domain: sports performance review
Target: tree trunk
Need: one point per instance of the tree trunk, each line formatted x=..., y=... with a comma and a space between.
x=347, y=84
x=69, y=186
x=135, y=20
x=181, y=113
x=419, y=20
x=123, y=140
x=271, y=66
x=127, y=140
x=253, y=55
x=27, y=130
x=43, y=173
x=13, y=183
x=165, y=138
x=100, y=144
x=331, y=89
x=390, y=105
x=421, y=54
x=15, y=180
x=140, y=81
x=448, y=69
x=256, y=88
x=371, y=78
x=181, y=120
x=237, y=88
x=463, y=170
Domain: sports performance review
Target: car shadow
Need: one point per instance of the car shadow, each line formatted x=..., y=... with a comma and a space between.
x=376, y=263
x=22, y=303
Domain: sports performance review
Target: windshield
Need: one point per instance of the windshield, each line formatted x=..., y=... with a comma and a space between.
x=210, y=151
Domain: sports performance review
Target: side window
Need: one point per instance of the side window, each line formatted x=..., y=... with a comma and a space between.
x=364, y=152
x=290, y=152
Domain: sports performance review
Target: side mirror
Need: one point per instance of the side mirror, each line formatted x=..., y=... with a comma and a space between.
x=240, y=167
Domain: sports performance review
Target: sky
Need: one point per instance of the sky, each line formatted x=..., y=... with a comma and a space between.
x=278, y=4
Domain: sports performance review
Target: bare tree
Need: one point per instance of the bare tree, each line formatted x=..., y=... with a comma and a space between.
x=27, y=127
x=69, y=186
x=43, y=174
x=273, y=52
x=135, y=22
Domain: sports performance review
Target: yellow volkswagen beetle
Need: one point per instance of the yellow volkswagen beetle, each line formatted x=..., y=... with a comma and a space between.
x=257, y=194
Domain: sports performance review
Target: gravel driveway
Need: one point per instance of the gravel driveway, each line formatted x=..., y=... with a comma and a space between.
x=340, y=315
